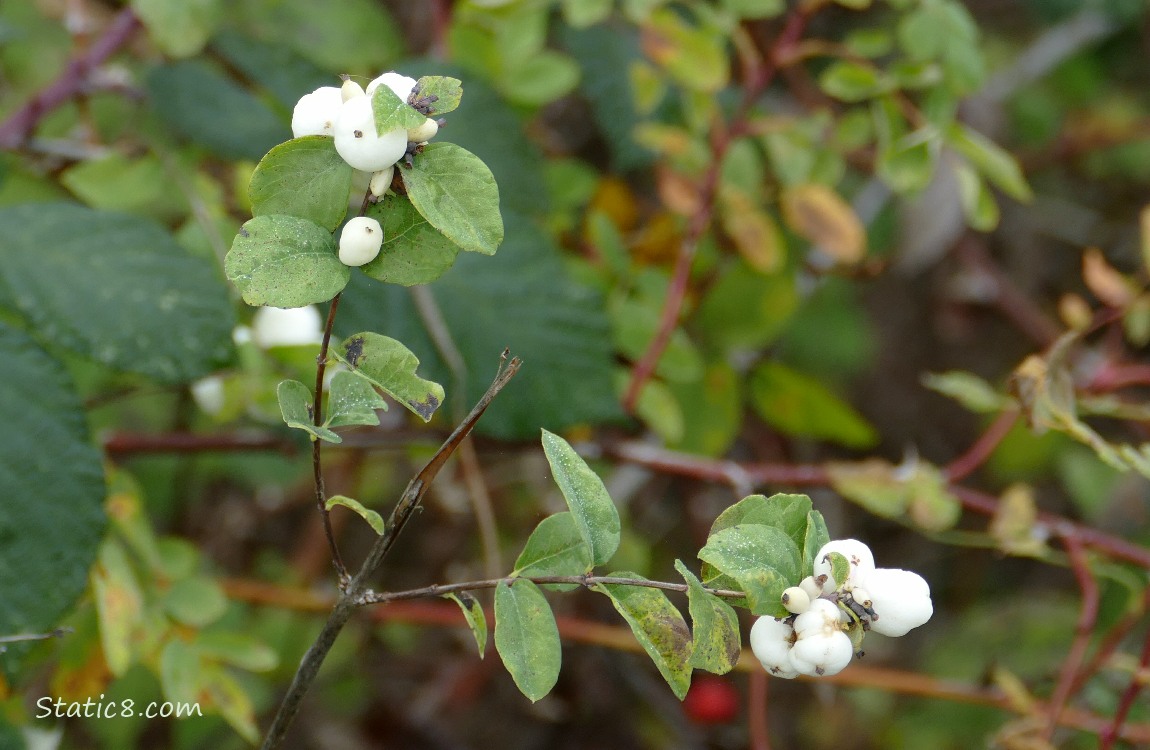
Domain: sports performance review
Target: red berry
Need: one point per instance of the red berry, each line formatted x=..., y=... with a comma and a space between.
x=712, y=700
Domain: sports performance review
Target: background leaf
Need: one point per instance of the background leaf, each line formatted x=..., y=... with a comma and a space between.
x=53, y=517
x=116, y=288
x=591, y=507
x=799, y=405
x=526, y=637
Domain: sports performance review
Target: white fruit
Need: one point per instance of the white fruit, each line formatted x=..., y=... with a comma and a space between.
x=771, y=643
x=359, y=144
x=857, y=554
x=208, y=393
x=381, y=181
x=315, y=113
x=360, y=241
x=274, y=326
x=350, y=90
x=424, y=132
x=796, y=600
x=821, y=647
x=814, y=591
x=400, y=84
x=900, y=598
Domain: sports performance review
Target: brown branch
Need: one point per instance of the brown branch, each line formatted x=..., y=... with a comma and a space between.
x=14, y=131
x=586, y=581
x=979, y=451
x=317, y=444
x=758, y=78
x=1087, y=618
x=122, y=445
x=1126, y=702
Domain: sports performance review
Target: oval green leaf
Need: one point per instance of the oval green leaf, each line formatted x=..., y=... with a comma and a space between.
x=305, y=178
x=476, y=620
x=555, y=548
x=196, y=601
x=762, y=559
x=797, y=404
x=413, y=251
x=352, y=400
x=591, y=507
x=390, y=366
x=285, y=261
x=295, y=407
x=658, y=626
x=454, y=190
x=715, y=644
x=447, y=92
x=527, y=638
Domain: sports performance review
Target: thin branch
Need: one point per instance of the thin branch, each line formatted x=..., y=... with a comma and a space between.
x=586, y=581
x=620, y=638
x=1129, y=695
x=1113, y=640
x=1087, y=618
x=757, y=711
x=317, y=444
x=122, y=445
x=72, y=80
x=25, y=637
x=758, y=78
x=979, y=451
x=346, y=603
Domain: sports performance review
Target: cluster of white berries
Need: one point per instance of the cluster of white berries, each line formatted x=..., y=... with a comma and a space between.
x=346, y=115
x=829, y=619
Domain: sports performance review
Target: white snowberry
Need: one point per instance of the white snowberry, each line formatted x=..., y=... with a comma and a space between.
x=315, y=113
x=350, y=90
x=297, y=326
x=796, y=600
x=813, y=589
x=400, y=84
x=423, y=133
x=857, y=554
x=359, y=144
x=822, y=648
x=208, y=393
x=900, y=598
x=360, y=241
x=771, y=643
x=381, y=181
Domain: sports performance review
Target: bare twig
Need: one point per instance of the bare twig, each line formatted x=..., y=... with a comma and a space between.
x=586, y=581
x=122, y=445
x=72, y=80
x=317, y=444
x=979, y=451
x=1126, y=702
x=349, y=597
x=25, y=637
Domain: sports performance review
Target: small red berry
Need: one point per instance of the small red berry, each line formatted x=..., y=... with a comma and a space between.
x=712, y=700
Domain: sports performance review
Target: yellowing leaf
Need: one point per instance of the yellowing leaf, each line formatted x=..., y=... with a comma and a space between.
x=1104, y=280
x=818, y=214
x=1013, y=524
x=754, y=232
x=1144, y=221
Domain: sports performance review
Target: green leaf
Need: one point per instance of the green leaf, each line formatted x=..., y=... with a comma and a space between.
x=991, y=160
x=374, y=520
x=542, y=78
x=137, y=185
x=635, y=324
x=295, y=408
x=448, y=92
x=229, y=698
x=237, y=649
x=583, y=13
x=527, y=638
x=118, y=605
x=279, y=69
x=391, y=112
x=755, y=8
x=968, y=389
x=352, y=400
x=413, y=251
x=305, y=178
x=180, y=28
x=712, y=411
x=745, y=309
x=715, y=643
x=48, y=536
x=284, y=261
x=796, y=404
x=908, y=165
x=555, y=548
x=853, y=81
x=199, y=102
x=695, y=56
x=116, y=288
x=195, y=601
x=390, y=366
x=762, y=559
x=658, y=626
x=787, y=513
x=455, y=191
x=815, y=538
x=476, y=620
x=591, y=507
x=180, y=670
x=840, y=566
x=978, y=203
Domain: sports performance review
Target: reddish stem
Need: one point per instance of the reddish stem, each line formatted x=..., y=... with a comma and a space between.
x=125, y=445
x=979, y=451
x=757, y=711
x=19, y=126
x=1087, y=618
x=1137, y=682
x=1113, y=640
x=721, y=138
